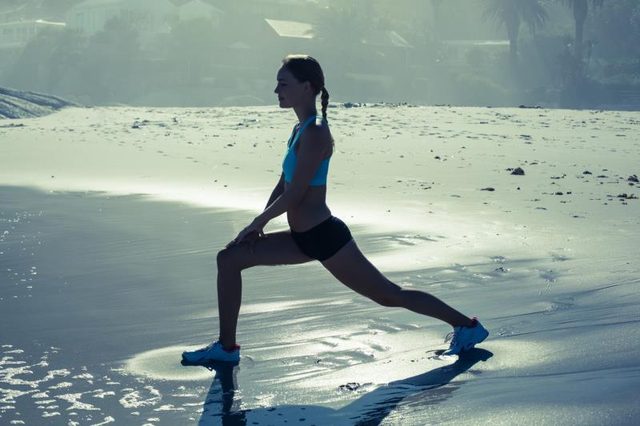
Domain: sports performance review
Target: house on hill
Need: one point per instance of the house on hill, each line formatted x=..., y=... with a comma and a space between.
x=149, y=16
x=16, y=34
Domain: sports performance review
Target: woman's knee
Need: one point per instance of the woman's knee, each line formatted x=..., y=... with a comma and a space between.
x=392, y=297
x=228, y=258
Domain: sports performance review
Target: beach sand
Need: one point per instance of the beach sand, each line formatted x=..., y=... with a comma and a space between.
x=111, y=218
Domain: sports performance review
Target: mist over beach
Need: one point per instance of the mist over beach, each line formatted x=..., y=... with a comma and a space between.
x=493, y=181
x=174, y=53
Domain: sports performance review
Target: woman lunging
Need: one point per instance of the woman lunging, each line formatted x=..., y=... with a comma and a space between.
x=314, y=233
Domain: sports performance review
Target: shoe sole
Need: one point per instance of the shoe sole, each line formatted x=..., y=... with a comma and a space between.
x=207, y=360
x=209, y=363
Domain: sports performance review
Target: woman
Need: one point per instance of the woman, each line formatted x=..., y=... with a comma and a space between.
x=314, y=233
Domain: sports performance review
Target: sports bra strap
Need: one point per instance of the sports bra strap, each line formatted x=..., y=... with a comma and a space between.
x=301, y=128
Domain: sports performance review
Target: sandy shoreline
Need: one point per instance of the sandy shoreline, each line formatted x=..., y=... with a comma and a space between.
x=102, y=290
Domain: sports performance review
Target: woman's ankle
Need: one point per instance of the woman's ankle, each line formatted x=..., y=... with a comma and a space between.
x=465, y=322
x=228, y=345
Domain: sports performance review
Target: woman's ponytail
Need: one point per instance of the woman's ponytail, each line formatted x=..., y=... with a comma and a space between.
x=324, y=98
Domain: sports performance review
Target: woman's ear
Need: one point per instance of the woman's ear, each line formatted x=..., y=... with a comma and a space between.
x=308, y=87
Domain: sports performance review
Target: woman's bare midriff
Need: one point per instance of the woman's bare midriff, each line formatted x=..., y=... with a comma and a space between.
x=311, y=211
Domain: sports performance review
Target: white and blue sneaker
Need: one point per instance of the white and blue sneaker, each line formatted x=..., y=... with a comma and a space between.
x=465, y=338
x=212, y=353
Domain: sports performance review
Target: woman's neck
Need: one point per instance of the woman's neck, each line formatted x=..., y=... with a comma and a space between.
x=305, y=113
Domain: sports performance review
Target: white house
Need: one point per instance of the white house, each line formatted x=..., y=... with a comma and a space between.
x=292, y=29
x=16, y=35
x=149, y=16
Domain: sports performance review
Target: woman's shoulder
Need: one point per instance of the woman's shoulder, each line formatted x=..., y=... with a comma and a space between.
x=320, y=128
x=318, y=134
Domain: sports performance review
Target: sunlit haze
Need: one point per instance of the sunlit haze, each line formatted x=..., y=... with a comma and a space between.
x=224, y=52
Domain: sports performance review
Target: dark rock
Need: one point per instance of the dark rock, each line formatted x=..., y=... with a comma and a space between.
x=626, y=196
x=517, y=171
x=350, y=386
x=633, y=178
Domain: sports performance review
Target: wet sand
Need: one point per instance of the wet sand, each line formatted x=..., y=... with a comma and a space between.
x=108, y=240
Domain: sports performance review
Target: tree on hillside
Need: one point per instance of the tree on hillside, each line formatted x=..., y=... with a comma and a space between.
x=193, y=43
x=341, y=26
x=616, y=28
x=110, y=63
x=511, y=14
x=341, y=30
x=580, y=9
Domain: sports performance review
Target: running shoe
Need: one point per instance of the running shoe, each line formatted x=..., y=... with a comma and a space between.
x=465, y=338
x=213, y=352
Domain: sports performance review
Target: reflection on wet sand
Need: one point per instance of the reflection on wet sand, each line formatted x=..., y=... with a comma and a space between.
x=223, y=402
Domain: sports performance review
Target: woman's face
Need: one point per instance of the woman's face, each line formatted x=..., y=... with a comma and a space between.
x=290, y=91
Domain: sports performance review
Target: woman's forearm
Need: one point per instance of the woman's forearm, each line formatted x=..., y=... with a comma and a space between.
x=280, y=205
x=277, y=191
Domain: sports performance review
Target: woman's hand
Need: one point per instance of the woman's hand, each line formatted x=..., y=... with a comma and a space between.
x=249, y=234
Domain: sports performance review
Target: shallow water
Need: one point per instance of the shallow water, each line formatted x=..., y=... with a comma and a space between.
x=100, y=294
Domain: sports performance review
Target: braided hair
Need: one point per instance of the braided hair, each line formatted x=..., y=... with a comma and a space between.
x=305, y=68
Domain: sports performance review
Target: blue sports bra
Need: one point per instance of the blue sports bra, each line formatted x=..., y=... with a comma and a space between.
x=290, y=159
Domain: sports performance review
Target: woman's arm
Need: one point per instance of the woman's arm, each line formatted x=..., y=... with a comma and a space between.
x=277, y=191
x=312, y=151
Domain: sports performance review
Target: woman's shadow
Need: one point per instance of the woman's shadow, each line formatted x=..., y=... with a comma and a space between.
x=370, y=409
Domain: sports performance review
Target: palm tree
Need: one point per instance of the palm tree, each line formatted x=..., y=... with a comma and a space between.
x=511, y=13
x=580, y=10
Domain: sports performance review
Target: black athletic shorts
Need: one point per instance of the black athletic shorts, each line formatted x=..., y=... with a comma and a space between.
x=323, y=240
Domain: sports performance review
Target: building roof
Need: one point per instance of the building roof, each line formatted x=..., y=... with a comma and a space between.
x=387, y=38
x=131, y=4
x=397, y=40
x=34, y=21
x=483, y=43
x=91, y=3
x=293, y=29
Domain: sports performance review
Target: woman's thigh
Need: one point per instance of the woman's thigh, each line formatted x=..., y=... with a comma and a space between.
x=276, y=248
x=355, y=271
